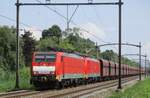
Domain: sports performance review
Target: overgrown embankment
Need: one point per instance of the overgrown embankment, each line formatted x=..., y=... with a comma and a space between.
x=139, y=90
x=7, y=80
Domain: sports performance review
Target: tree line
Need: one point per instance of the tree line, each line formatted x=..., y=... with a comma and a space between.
x=52, y=37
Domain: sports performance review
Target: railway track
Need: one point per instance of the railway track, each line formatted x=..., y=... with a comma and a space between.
x=17, y=94
x=90, y=89
x=74, y=92
x=97, y=89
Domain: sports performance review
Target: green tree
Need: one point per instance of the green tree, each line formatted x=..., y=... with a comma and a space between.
x=7, y=48
x=78, y=43
x=112, y=56
x=44, y=44
x=54, y=32
x=28, y=47
x=108, y=55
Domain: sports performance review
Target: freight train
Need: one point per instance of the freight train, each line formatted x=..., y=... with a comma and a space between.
x=61, y=69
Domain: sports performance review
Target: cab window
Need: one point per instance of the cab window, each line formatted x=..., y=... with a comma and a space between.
x=45, y=57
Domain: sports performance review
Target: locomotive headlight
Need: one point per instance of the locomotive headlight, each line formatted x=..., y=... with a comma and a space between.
x=51, y=68
x=35, y=72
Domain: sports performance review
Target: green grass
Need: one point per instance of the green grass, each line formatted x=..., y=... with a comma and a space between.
x=139, y=90
x=7, y=80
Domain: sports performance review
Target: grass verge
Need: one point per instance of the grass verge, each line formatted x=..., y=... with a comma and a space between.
x=139, y=90
x=7, y=80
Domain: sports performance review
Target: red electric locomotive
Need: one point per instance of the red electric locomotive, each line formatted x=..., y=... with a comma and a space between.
x=61, y=69
x=92, y=69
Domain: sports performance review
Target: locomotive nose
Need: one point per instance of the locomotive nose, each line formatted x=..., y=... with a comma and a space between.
x=43, y=69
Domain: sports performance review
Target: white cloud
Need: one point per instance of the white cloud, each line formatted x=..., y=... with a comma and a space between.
x=92, y=28
x=96, y=32
x=36, y=33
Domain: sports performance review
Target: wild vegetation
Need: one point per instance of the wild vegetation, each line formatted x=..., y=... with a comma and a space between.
x=139, y=90
x=52, y=37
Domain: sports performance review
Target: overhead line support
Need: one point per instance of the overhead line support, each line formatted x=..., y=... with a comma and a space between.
x=64, y=4
x=140, y=60
x=17, y=45
x=119, y=3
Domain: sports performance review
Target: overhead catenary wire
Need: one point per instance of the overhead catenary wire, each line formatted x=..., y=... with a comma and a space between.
x=13, y=20
x=58, y=13
x=99, y=20
x=73, y=13
x=71, y=21
x=81, y=28
x=61, y=15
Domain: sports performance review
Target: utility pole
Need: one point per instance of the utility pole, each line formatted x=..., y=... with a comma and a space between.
x=97, y=51
x=149, y=68
x=145, y=65
x=67, y=19
x=139, y=60
x=119, y=46
x=17, y=40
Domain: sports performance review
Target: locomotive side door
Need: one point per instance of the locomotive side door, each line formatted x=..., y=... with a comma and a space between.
x=63, y=69
x=101, y=68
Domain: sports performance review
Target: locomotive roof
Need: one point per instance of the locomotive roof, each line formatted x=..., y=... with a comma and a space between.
x=93, y=59
x=72, y=55
x=44, y=52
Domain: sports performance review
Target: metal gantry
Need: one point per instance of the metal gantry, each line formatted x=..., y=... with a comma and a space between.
x=128, y=44
x=147, y=65
x=140, y=55
x=18, y=4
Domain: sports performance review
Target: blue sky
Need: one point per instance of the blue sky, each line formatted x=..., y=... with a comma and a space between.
x=101, y=21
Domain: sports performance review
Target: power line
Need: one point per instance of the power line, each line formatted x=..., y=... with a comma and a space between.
x=72, y=22
x=58, y=13
x=10, y=19
x=93, y=34
x=100, y=22
x=13, y=20
x=73, y=13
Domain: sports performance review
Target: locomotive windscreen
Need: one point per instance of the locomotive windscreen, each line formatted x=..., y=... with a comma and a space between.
x=45, y=57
